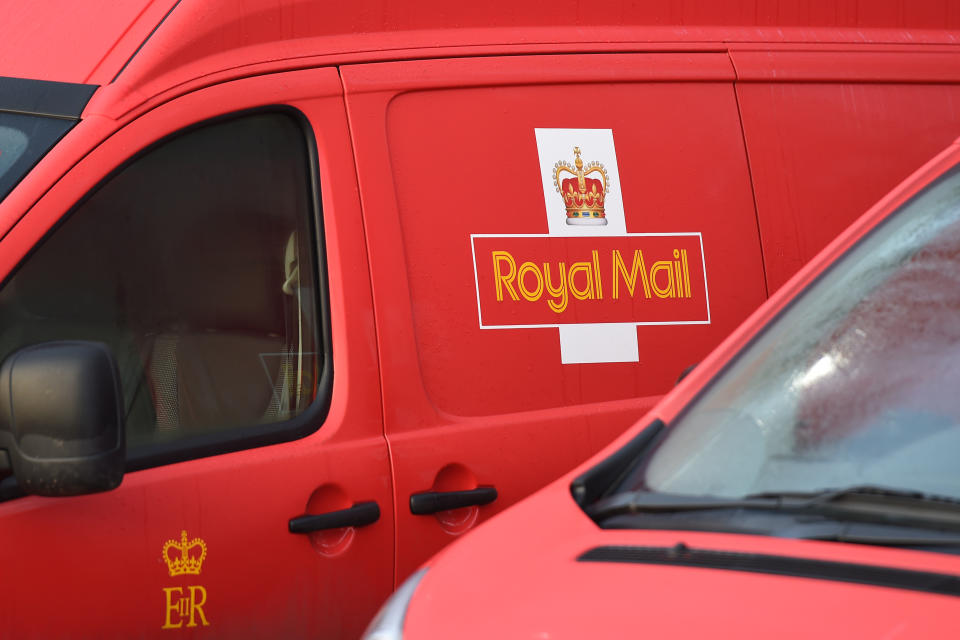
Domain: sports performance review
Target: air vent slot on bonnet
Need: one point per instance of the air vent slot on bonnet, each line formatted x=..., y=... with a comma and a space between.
x=684, y=556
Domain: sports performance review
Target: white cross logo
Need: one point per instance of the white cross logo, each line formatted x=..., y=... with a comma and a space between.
x=583, y=343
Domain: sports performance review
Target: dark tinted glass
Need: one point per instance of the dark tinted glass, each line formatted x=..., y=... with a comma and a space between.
x=24, y=139
x=194, y=263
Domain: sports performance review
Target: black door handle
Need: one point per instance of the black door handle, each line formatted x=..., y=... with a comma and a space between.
x=360, y=514
x=422, y=504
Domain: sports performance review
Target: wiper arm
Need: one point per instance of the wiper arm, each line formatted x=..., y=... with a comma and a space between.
x=633, y=502
x=881, y=504
x=895, y=506
x=877, y=493
x=889, y=540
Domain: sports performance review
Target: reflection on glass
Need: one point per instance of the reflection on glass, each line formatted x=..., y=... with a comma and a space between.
x=13, y=143
x=24, y=139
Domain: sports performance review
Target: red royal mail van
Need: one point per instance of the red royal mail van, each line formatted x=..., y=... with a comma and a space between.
x=801, y=483
x=296, y=293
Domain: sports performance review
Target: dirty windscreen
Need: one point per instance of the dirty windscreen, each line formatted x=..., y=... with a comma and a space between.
x=24, y=139
x=857, y=383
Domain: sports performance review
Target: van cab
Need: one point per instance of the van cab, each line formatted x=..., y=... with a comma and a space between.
x=322, y=288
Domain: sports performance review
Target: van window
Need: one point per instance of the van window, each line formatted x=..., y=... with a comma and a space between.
x=24, y=139
x=194, y=264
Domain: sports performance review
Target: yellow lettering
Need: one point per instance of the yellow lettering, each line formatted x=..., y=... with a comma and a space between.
x=587, y=292
x=596, y=274
x=190, y=606
x=172, y=606
x=560, y=292
x=629, y=279
x=504, y=280
x=677, y=275
x=666, y=291
x=197, y=607
x=686, y=273
x=525, y=268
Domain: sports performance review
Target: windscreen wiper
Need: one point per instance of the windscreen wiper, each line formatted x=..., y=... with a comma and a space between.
x=862, y=491
x=875, y=503
x=633, y=502
x=910, y=540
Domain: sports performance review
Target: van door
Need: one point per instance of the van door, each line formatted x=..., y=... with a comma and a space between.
x=215, y=245
x=553, y=240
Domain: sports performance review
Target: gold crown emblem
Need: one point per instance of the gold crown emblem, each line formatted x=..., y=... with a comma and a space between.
x=582, y=196
x=190, y=556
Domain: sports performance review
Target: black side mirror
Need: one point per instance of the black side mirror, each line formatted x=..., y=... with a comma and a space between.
x=61, y=418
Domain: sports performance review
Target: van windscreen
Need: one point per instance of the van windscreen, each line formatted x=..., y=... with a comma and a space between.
x=24, y=139
x=34, y=115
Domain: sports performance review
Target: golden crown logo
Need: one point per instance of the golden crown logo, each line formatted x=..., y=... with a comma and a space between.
x=190, y=556
x=582, y=196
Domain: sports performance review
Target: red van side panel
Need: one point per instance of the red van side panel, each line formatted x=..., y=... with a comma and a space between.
x=447, y=150
x=828, y=134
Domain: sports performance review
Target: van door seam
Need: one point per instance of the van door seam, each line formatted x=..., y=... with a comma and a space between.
x=373, y=304
x=753, y=189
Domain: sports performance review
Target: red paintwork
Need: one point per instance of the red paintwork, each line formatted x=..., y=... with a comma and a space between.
x=734, y=120
x=524, y=580
x=809, y=169
x=86, y=42
x=518, y=577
